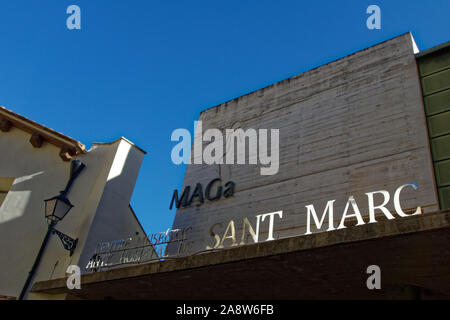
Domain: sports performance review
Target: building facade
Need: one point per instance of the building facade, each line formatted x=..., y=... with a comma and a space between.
x=362, y=179
x=350, y=127
x=34, y=166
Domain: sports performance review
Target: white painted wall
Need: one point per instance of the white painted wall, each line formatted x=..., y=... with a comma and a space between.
x=101, y=196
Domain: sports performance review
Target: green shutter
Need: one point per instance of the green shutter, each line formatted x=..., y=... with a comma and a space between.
x=440, y=148
x=443, y=173
x=444, y=197
x=436, y=82
x=439, y=124
x=437, y=103
x=434, y=69
x=434, y=62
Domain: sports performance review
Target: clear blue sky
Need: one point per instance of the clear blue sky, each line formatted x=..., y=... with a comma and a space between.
x=141, y=69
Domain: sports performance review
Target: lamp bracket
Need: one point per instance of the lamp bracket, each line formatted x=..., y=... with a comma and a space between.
x=68, y=243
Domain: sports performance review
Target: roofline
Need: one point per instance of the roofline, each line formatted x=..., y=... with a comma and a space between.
x=306, y=72
x=40, y=133
x=433, y=49
x=19, y=118
x=124, y=139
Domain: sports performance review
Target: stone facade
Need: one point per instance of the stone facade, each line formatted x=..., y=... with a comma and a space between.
x=349, y=127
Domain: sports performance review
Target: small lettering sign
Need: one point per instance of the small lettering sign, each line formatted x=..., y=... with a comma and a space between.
x=213, y=192
x=140, y=250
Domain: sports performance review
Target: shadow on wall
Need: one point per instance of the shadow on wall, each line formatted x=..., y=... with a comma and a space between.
x=114, y=219
x=101, y=196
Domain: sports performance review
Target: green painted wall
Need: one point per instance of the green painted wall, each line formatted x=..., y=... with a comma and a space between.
x=434, y=69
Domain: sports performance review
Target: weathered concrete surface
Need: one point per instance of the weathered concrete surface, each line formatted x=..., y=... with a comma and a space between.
x=349, y=127
x=331, y=265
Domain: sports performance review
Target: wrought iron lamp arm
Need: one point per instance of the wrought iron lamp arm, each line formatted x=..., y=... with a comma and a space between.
x=68, y=242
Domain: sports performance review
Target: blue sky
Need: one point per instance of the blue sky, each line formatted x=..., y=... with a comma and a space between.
x=142, y=69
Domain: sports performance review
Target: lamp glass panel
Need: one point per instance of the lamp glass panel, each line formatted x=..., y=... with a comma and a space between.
x=50, y=205
x=62, y=208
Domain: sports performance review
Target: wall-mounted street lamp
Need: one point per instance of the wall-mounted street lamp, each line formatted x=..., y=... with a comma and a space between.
x=56, y=208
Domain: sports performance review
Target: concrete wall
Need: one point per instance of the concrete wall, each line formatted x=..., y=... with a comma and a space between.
x=349, y=127
x=111, y=170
